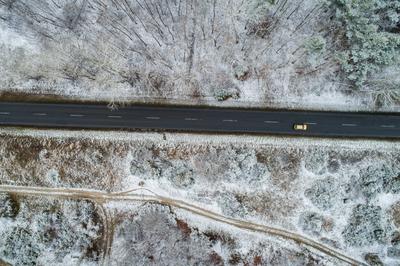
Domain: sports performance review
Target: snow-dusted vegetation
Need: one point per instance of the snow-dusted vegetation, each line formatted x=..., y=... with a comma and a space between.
x=196, y=244
x=343, y=194
x=324, y=202
x=40, y=231
x=68, y=232
x=294, y=54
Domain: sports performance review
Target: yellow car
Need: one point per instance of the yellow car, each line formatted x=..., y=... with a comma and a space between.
x=302, y=127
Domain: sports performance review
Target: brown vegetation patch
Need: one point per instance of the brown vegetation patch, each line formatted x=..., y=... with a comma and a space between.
x=235, y=259
x=395, y=214
x=270, y=205
x=257, y=260
x=71, y=162
x=183, y=227
x=224, y=238
x=3, y=263
x=215, y=258
x=282, y=164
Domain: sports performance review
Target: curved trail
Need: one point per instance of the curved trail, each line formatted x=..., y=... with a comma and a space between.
x=103, y=197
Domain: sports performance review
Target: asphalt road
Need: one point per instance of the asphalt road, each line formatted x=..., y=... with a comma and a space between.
x=329, y=124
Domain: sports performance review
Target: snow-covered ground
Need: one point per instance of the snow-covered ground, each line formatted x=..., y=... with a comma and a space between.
x=341, y=193
x=215, y=52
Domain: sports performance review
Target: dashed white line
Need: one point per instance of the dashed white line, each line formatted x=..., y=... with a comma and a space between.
x=310, y=123
x=153, y=118
x=114, y=116
x=4, y=113
x=271, y=122
x=388, y=126
x=39, y=114
x=229, y=120
x=191, y=119
x=349, y=125
x=76, y=115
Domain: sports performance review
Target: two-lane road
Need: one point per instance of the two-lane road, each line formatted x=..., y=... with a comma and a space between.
x=330, y=124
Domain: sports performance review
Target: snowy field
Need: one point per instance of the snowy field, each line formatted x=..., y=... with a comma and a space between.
x=279, y=54
x=342, y=194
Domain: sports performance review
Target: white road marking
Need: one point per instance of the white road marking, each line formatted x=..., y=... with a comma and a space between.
x=76, y=115
x=39, y=114
x=191, y=119
x=388, y=126
x=114, y=116
x=271, y=122
x=349, y=125
x=229, y=120
x=311, y=123
x=153, y=118
x=4, y=113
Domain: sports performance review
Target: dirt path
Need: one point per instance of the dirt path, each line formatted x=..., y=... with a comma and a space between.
x=107, y=235
x=133, y=195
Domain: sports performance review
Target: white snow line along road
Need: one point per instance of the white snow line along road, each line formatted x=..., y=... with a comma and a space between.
x=76, y=115
x=114, y=116
x=39, y=114
x=4, y=113
x=101, y=197
x=388, y=126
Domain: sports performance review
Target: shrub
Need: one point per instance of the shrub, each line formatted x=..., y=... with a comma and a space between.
x=225, y=94
x=365, y=226
x=315, y=44
x=241, y=72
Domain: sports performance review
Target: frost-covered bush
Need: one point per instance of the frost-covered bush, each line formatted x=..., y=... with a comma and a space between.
x=315, y=44
x=376, y=179
x=370, y=33
x=154, y=238
x=393, y=252
x=283, y=165
x=373, y=259
x=324, y=193
x=216, y=164
x=365, y=226
x=147, y=166
x=231, y=205
x=313, y=223
x=241, y=72
x=9, y=206
x=315, y=161
x=315, y=49
x=226, y=93
x=260, y=17
x=20, y=247
x=46, y=232
x=180, y=174
x=395, y=239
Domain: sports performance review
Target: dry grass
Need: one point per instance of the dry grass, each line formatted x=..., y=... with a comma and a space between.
x=75, y=163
